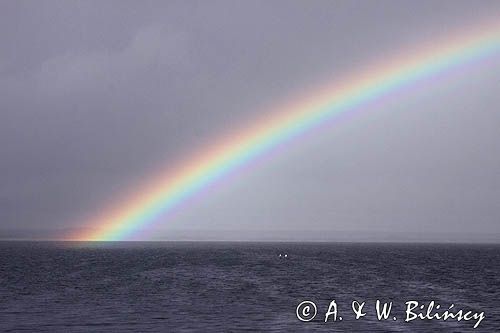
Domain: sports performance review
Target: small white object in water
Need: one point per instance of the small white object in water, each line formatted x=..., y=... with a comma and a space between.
x=286, y=255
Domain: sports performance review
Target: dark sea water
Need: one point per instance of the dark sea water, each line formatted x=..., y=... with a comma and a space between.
x=224, y=287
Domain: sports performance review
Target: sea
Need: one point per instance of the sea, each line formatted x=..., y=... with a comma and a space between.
x=243, y=287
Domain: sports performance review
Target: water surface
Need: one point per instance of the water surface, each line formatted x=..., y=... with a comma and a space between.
x=209, y=286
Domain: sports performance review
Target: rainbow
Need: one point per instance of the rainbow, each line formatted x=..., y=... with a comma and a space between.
x=175, y=185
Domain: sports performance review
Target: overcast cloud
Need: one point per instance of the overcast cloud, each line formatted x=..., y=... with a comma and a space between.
x=97, y=95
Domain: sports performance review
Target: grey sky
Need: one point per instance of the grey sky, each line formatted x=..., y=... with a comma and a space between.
x=96, y=95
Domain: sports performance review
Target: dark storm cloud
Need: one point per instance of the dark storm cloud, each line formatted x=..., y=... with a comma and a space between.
x=95, y=96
